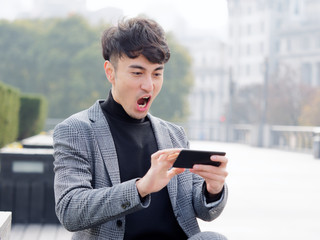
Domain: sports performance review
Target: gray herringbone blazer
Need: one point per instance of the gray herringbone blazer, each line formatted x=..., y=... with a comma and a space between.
x=91, y=200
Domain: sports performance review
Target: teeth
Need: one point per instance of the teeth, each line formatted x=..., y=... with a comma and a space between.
x=145, y=102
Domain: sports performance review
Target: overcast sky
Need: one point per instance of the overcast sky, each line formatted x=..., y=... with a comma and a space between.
x=197, y=14
x=201, y=14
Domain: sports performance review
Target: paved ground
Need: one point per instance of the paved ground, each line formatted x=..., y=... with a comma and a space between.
x=272, y=195
x=39, y=232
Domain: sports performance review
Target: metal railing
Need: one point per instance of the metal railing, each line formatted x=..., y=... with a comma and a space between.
x=293, y=138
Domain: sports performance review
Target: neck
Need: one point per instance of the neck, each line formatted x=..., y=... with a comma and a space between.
x=117, y=111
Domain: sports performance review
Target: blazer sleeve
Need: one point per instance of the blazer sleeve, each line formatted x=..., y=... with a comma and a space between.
x=79, y=204
x=202, y=209
x=209, y=211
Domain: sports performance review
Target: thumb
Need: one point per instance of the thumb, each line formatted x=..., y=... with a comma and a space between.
x=175, y=171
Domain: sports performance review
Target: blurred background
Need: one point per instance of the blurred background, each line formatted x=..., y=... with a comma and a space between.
x=241, y=71
x=238, y=68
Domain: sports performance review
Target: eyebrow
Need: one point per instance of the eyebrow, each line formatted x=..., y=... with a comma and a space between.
x=142, y=68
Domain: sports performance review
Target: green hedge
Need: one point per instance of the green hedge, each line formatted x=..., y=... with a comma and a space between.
x=9, y=114
x=33, y=113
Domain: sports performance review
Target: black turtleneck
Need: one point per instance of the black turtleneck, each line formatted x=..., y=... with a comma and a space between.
x=135, y=143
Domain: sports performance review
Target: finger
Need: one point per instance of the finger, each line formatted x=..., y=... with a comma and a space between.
x=166, y=151
x=166, y=159
x=200, y=169
x=175, y=171
x=222, y=159
x=173, y=157
x=206, y=168
x=211, y=176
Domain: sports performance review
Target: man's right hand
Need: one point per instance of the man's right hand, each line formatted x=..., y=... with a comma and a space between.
x=160, y=172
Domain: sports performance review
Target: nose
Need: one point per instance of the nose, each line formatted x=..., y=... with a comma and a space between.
x=147, y=84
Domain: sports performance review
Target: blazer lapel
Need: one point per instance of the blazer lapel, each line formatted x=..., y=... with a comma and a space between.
x=105, y=141
x=163, y=140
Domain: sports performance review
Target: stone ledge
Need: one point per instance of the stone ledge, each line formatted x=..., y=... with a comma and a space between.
x=5, y=225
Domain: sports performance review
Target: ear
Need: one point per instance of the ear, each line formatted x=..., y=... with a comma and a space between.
x=109, y=71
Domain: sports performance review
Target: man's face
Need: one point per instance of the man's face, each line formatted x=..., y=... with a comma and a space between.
x=135, y=84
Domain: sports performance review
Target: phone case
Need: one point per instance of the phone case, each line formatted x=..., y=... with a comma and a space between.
x=187, y=158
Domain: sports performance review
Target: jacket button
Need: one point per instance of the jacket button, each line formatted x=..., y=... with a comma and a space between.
x=119, y=223
x=125, y=205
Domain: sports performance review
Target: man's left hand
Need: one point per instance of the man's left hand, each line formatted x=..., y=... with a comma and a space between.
x=214, y=176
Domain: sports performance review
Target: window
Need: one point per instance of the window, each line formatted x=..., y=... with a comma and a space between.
x=249, y=29
x=306, y=73
x=318, y=42
x=305, y=43
x=230, y=31
x=277, y=46
x=261, y=48
x=288, y=45
x=296, y=8
x=230, y=51
x=204, y=60
x=203, y=99
x=248, y=70
x=318, y=75
x=262, y=27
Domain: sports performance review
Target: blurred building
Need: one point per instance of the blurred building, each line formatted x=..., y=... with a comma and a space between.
x=283, y=33
x=210, y=92
x=299, y=45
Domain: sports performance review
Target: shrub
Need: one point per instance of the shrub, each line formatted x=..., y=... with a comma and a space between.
x=33, y=113
x=9, y=114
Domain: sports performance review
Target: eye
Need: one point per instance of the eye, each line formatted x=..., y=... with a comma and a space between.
x=158, y=74
x=137, y=73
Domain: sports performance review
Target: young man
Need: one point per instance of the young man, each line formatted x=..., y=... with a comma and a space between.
x=113, y=162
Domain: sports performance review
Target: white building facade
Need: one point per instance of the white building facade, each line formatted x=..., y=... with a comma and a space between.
x=210, y=92
x=283, y=33
x=299, y=45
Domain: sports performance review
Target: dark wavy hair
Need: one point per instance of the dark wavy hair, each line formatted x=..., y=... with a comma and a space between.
x=133, y=37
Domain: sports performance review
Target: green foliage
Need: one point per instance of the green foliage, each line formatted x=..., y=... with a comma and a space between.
x=58, y=58
x=62, y=60
x=33, y=113
x=172, y=102
x=288, y=103
x=9, y=114
x=310, y=113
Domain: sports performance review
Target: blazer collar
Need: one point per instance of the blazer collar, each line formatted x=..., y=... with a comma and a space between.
x=108, y=151
x=162, y=135
x=105, y=141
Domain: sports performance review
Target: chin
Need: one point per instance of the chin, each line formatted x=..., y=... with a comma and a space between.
x=138, y=115
x=141, y=116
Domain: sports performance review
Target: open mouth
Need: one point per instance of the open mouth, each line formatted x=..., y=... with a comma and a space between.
x=143, y=102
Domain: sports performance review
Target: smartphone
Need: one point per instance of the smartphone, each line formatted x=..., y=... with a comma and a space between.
x=187, y=158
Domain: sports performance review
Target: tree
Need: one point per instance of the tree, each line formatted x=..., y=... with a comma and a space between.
x=285, y=100
x=172, y=102
x=310, y=115
x=247, y=105
x=61, y=59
